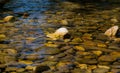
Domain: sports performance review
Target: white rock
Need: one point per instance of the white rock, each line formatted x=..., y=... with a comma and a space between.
x=59, y=33
x=111, y=32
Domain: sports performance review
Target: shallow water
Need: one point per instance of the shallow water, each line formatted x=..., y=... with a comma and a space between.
x=88, y=44
x=29, y=27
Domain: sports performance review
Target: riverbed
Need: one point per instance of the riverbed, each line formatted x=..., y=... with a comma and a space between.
x=25, y=48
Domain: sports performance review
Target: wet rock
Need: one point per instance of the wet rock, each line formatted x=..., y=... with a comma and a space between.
x=68, y=57
x=92, y=67
x=60, y=55
x=82, y=53
x=114, y=20
x=79, y=48
x=116, y=63
x=111, y=32
x=50, y=51
x=77, y=40
x=115, y=66
x=25, y=15
x=29, y=67
x=92, y=62
x=40, y=69
x=11, y=51
x=75, y=33
x=30, y=39
x=9, y=18
x=98, y=53
x=82, y=66
x=64, y=22
x=113, y=47
x=77, y=21
x=115, y=70
x=65, y=48
x=10, y=25
x=20, y=70
x=77, y=70
x=11, y=69
x=102, y=45
x=2, y=37
x=58, y=34
x=50, y=57
x=86, y=29
x=49, y=63
x=87, y=61
x=5, y=58
x=117, y=40
x=115, y=55
x=104, y=63
x=101, y=37
x=27, y=62
x=65, y=66
x=51, y=44
x=105, y=67
x=89, y=43
x=70, y=51
x=100, y=70
x=87, y=36
x=33, y=57
x=107, y=58
x=16, y=64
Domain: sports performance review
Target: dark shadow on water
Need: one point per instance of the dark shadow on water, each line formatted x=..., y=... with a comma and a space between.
x=94, y=5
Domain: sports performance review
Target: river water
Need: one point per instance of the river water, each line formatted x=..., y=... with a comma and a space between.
x=35, y=10
x=28, y=34
x=86, y=49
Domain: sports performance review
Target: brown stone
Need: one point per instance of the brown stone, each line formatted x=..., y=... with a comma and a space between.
x=107, y=58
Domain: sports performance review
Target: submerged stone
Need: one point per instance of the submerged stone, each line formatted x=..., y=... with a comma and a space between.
x=27, y=62
x=107, y=58
x=50, y=51
x=29, y=67
x=100, y=70
x=2, y=37
x=77, y=40
x=79, y=48
x=114, y=20
x=64, y=22
x=98, y=53
x=11, y=51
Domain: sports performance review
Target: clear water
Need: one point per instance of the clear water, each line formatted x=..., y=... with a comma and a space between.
x=30, y=26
